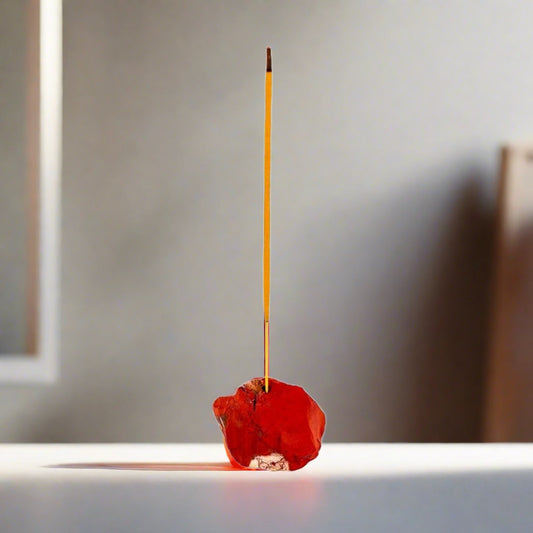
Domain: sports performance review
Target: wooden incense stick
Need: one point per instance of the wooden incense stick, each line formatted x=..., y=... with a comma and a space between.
x=266, y=214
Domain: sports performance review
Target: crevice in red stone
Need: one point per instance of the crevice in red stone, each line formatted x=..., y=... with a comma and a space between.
x=260, y=426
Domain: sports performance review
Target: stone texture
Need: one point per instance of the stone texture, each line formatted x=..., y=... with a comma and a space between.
x=278, y=430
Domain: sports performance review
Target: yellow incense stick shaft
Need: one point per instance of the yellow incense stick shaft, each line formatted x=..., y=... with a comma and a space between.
x=266, y=227
x=266, y=333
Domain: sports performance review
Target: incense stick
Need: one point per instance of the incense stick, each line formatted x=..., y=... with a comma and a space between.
x=266, y=215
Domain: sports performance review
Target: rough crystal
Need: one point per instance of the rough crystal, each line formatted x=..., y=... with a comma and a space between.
x=278, y=430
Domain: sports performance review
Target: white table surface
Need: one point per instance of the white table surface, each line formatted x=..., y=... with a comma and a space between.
x=189, y=487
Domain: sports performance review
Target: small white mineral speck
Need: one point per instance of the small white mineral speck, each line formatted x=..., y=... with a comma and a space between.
x=274, y=461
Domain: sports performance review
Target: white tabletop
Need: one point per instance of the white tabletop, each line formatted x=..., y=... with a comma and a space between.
x=190, y=487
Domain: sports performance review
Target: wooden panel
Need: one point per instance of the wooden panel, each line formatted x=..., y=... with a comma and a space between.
x=509, y=407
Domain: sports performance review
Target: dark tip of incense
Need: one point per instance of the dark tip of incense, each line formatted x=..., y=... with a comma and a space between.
x=269, y=60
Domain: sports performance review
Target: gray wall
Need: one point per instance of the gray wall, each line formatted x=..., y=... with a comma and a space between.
x=387, y=121
x=13, y=177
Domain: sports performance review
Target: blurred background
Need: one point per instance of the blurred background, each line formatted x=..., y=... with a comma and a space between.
x=388, y=118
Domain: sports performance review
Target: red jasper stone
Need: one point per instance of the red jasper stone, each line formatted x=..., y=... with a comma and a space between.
x=276, y=430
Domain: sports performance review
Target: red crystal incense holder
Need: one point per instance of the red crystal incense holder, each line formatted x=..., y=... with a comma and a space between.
x=268, y=424
x=276, y=430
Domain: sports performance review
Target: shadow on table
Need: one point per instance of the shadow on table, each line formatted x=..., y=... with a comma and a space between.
x=151, y=467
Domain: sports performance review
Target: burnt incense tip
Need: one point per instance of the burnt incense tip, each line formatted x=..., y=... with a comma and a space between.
x=269, y=60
